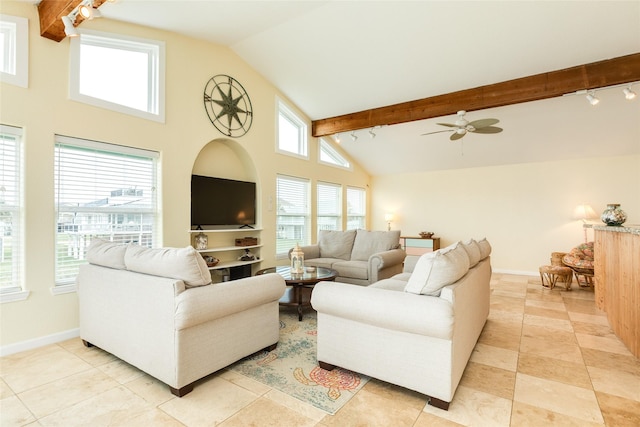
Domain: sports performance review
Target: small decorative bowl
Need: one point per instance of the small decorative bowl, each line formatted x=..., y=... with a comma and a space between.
x=211, y=261
x=426, y=234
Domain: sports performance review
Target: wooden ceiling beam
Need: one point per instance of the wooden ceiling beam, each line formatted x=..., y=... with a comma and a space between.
x=50, y=13
x=624, y=69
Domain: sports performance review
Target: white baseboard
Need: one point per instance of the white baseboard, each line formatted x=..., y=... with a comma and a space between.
x=517, y=272
x=6, y=350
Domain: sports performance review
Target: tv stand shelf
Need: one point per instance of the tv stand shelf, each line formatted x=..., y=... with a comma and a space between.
x=221, y=245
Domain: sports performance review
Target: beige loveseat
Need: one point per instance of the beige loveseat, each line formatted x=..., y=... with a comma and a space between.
x=417, y=329
x=360, y=257
x=156, y=309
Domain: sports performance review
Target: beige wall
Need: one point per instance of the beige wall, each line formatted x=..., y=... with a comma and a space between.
x=524, y=210
x=43, y=110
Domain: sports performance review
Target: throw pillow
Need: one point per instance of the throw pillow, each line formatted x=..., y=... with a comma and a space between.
x=106, y=253
x=485, y=248
x=184, y=264
x=435, y=270
x=473, y=250
x=336, y=244
x=368, y=243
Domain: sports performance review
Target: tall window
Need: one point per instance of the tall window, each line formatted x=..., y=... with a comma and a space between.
x=329, y=206
x=14, y=50
x=292, y=132
x=97, y=76
x=293, y=218
x=356, y=208
x=11, y=236
x=330, y=155
x=102, y=190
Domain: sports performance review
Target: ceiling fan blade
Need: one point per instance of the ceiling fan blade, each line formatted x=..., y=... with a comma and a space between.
x=483, y=123
x=488, y=129
x=456, y=136
x=451, y=125
x=438, y=131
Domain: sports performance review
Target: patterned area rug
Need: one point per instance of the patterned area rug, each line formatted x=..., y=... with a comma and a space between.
x=293, y=368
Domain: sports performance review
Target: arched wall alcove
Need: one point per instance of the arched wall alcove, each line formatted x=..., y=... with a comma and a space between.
x=225, y=158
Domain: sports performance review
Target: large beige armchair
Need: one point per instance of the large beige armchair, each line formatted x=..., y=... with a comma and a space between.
x=360, y=257
x=157, y=310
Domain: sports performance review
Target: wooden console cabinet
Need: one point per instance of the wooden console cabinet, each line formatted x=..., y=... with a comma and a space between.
x=418, y=245
x=617, y=280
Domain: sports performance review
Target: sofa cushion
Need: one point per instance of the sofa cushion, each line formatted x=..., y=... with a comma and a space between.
x=485, y=248
x=336, y=244
x=184, y=264
x=321, y=262
x=352, y=269
x=473, y=250
x=368, y=243
x=438, y=269
x=107, y=254
x=391, y=284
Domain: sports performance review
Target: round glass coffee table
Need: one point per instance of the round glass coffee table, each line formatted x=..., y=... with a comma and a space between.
x=298, y=282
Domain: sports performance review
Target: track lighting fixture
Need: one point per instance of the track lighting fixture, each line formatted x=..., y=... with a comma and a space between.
x=69, y=29
x=337, y=138
x=372, y=134
x=591, y=97
x=354, y=137
x=88, y=11
x=628, y=93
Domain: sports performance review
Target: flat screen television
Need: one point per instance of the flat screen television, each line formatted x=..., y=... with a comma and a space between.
x=222, y=202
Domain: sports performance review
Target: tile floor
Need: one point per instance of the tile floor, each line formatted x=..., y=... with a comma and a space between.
x=545, y=357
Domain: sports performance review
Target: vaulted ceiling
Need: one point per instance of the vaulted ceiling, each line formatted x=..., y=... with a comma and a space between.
x=341, y=61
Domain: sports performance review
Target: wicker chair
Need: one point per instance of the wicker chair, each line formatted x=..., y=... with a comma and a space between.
x=580, y=260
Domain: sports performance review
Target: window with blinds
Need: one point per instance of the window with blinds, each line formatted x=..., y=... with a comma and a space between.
x=356, y=208
x=293, y=217
x=329, y=206
x=102, y=191
x=11, y=212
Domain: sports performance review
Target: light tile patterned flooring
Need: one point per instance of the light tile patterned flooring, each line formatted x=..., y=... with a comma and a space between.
x=545, y=357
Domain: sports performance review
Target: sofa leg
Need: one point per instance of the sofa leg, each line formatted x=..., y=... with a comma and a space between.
x=440, y=404
x=87, y=344
x=326, y=366
x=181, y=391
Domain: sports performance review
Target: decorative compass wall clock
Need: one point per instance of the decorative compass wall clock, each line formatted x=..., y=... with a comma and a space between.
x=228, y=105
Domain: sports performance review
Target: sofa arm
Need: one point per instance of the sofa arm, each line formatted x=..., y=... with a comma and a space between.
x=394, y=310
x=383, y=265
x=202, y=304
x=310, y=251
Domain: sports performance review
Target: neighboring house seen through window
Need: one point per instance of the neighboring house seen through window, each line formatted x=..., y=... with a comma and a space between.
x=293, y=217
x=102, y=191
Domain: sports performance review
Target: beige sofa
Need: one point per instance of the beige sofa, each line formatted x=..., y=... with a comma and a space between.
x=417, y=329
x=360, y=257
x=156, y=309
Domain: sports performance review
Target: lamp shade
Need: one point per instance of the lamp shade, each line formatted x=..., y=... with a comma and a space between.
x=584, y=212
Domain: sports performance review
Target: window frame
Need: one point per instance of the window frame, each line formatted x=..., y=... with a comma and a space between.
x=17, y=291
x=305, y=237
x=17, y=49
x=337, y=207
x=155, y=49
x=363, y=215
x=288, y=114
x=325, y=147
x=74, y=148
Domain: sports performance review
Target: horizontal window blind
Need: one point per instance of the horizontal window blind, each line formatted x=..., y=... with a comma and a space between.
x=11, y=230
x=356, y=208
x=105, y=191
x=329, y=206
x=293, y=213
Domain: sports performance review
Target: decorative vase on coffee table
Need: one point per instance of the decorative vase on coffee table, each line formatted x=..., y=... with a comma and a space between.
x=613, y=215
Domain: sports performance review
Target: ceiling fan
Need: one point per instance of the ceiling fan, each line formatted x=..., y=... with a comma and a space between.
x=461, y=127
